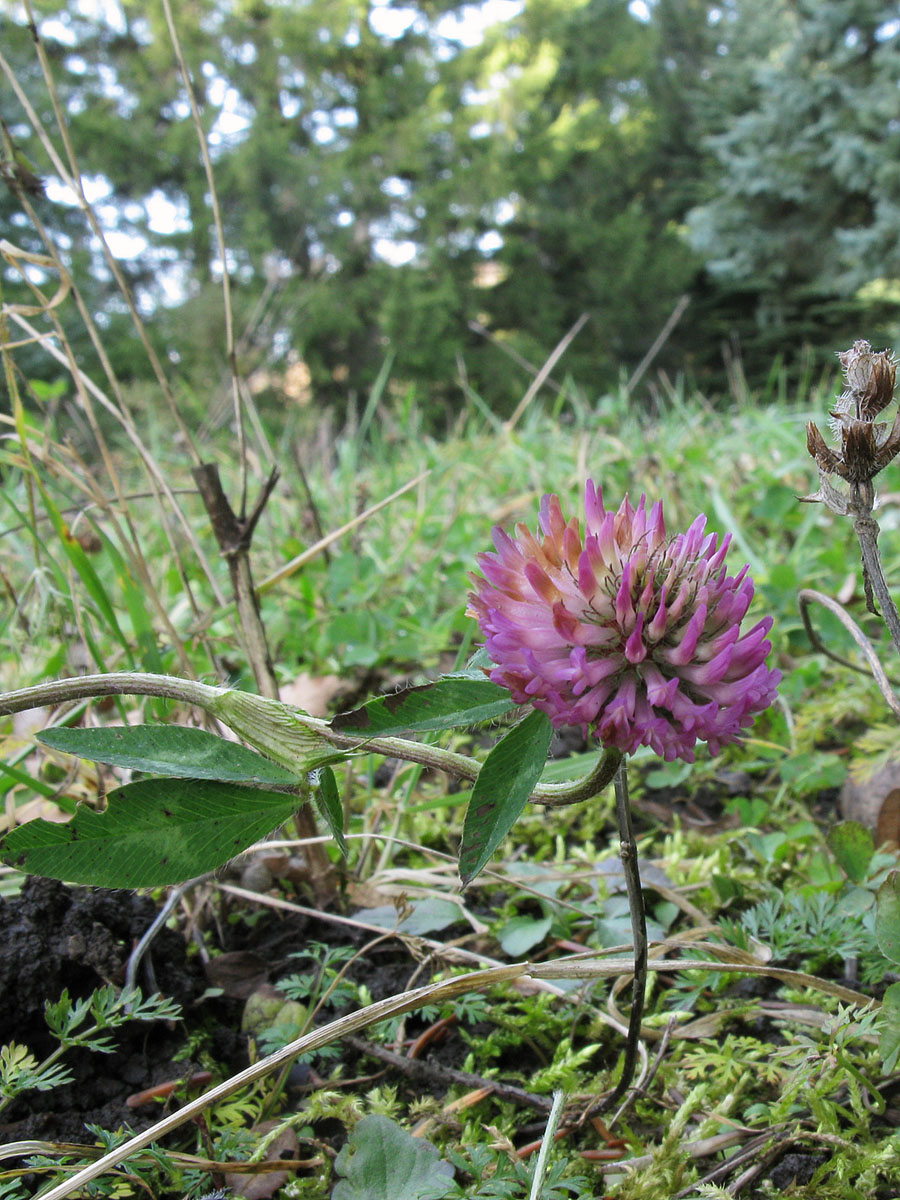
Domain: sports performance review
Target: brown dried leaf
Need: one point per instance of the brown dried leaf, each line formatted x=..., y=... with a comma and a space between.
x=825, y=457
x=312, y=693
x=887, y=829
x=238, y=973
x=862, y=799
x=261, y=1186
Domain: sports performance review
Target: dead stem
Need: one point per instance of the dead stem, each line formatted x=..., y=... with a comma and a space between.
x=427, y=1071
x=808, y=596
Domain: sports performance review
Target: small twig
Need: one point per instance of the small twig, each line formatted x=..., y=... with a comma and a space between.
x=805, y=597
x=643, y=1084
x=510, y=353
x=808, y=596
x=311, y=501
x=628, y=853
x=234, y=535
x=661, y=338
x=427, y=1072
x=311, y=552
x=735, y=1160
x=538, y=382
x=175, y=895
x=319, y=547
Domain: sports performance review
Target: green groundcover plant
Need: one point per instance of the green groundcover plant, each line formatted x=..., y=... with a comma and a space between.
x=615, y=626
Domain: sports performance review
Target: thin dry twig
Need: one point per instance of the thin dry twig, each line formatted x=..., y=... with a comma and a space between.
x=234, y=535
x=222, y=247
x=643, y=1084
x=317, y=548
x=659, y=341
x=73, y=179
x=428, y=1072
x=511, y=353
x=808, y=596
x=538, y=382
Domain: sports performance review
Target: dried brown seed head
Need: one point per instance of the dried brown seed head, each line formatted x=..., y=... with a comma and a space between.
x=826, y=459
x=859, y=452
x=888, y=444
x=870, y=377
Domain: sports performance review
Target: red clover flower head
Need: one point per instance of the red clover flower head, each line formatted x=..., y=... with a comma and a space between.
x=624, y=631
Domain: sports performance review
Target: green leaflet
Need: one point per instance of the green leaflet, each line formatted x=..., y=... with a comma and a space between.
x=455, y=700
x=177, y=750
x=155, y=832
x=501, y=791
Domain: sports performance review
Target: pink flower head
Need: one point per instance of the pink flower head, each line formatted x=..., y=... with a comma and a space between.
x=624, y=631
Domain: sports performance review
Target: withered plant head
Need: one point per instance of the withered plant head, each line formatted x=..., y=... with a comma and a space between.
x=866, y=446
x=869, y=376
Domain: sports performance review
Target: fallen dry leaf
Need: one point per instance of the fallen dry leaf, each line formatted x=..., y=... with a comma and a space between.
x=238, y=973
x=862, y=800
x=887, y=829
x=259, y=1187
x=312, y=693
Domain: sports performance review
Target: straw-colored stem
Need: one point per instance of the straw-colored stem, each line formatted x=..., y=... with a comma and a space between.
x=222, y=248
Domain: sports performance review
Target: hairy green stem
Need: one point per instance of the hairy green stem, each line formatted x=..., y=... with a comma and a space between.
x=293, y=739
x=560, y=794
x=120, y=683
